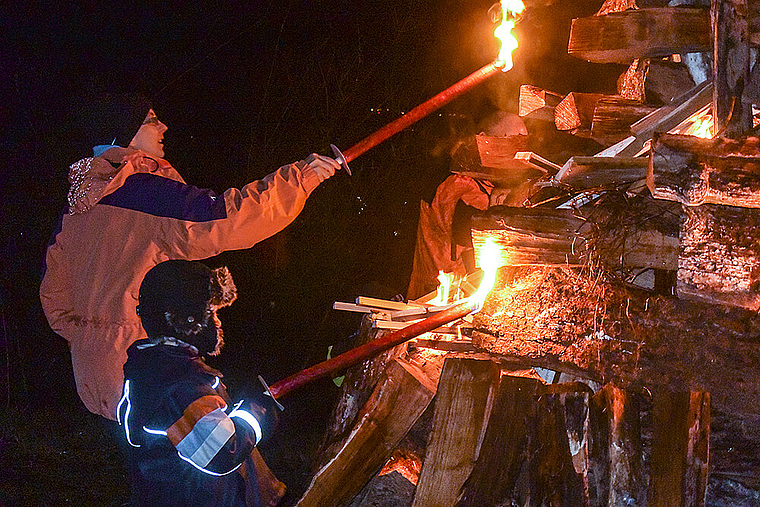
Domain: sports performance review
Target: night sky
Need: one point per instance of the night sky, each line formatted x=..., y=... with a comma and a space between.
x=243, y=90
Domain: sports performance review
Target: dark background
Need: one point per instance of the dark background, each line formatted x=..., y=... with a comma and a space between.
x=243, y=90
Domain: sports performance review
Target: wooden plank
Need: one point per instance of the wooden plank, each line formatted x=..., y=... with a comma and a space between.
x=621, y=37
x=381, y=303
x=556, y=319
x=350, y=307
x=695, y=171
x=613, y=117
x=733, y=116
x=462, y=407
x=536, y=103
x=602, y=172
x=680, y=449
x=401, y=395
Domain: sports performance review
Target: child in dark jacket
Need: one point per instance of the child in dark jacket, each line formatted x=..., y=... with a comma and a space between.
x=189, y=444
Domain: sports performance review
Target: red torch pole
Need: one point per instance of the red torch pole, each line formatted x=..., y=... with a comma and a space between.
x=368, y=350
x=422, y=110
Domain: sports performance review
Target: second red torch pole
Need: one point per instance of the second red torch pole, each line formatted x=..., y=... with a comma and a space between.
x=368, y=350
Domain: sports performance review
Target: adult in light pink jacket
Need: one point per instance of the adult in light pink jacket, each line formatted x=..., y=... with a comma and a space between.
x=129, y=210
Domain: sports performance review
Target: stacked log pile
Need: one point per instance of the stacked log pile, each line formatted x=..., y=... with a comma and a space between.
x=616, y=362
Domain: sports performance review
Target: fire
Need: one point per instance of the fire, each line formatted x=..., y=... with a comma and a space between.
x=444, y=287
x=510, y=9
x=489, y=260
x=702, y=127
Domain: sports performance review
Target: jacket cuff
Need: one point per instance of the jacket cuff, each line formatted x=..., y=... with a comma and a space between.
x=309, y=177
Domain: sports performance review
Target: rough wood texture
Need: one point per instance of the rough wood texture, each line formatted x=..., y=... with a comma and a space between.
x=602, y=172
x=401, y=395
x=498, y=152
x=557, y=237
x=631, y=83
x=613, y=117
x=680, y=452
x=536, y=103
x=667, y=80
x=576, y=110
x=720, y=257
x=617, y=446
x=733, y=116
x=560, y=320
x=621, y=37
x=462, y=406
x=696, y=171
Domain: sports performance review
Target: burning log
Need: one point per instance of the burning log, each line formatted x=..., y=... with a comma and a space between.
x=621, y=37
x=465, y=393
x=695, y=171
x=400, y=397
x=554, y=318
x=537, y=104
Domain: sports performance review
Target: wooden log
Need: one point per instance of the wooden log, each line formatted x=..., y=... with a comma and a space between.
x=401, y=395
x=732, y=115
x=498, y=152
x=680, y=449
x=557, y=237
x=616, y=445
x=621, y=37
x=536, y=103
x=720, y=256
x=602, y=172
x=462, y=406
x=613, y=117
x=576, y=110
x=557, y=319
x=667, y=80
x=695, y=171
x=631, y=83
x=505, y=444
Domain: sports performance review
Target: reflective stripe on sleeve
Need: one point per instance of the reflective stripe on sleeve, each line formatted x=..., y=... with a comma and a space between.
x=251, y=420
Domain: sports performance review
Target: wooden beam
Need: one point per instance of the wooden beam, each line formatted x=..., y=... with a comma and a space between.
x=613, y=117
x=732, y=115
x=462, y=406
x=557, y=237
x=536, y=103
x=680, y=449
x=602, y=172
x=621, y=37
x=557, y=319
x=497, y=151
x=576, y=110
x=401, y=395
x=696, y=171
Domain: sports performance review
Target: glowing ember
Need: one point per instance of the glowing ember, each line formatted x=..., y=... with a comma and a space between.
x=489, y=260
x=509, y=12
x=702, y=127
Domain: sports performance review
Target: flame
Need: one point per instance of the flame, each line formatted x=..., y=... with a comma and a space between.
x=509, y=11
x=444, y=287
x=489, y=260
x=702, y=127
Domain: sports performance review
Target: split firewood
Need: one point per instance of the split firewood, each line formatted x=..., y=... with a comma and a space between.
x=498, y=152
x=614, y=116
x=465, y=393
x=631, y=83
x=401, y=395
x=621, y=37
x=667, y=80
x=537, y=104
x=576, y=110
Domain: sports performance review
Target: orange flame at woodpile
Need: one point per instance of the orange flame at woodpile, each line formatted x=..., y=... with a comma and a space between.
x=489, y=260
x=445, y=281
x=510, y=9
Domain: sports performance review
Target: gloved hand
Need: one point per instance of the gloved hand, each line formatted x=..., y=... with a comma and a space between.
x=265, y=410
x=323, y=167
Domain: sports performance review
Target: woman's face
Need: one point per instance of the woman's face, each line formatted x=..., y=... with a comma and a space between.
x=150, y=136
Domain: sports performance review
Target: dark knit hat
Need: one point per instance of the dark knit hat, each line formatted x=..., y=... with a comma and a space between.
x=177, y=298
x=111, y=118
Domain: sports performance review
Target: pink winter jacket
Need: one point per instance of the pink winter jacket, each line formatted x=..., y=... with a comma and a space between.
x=128, y=212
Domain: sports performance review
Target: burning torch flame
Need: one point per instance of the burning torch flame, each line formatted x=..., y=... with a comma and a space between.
x=509, y=11
x=489, y=261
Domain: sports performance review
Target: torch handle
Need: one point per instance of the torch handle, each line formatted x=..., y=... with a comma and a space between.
x=368, y=350
x=422, y=110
